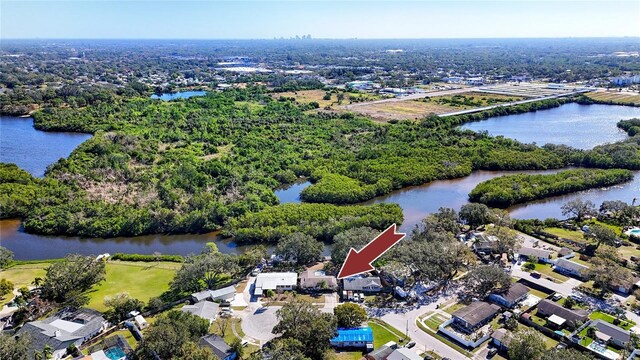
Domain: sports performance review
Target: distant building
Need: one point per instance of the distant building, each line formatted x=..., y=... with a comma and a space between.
x=354, y=338
x=277, y=282
x=486, y=244
x=62, y=330
x=317, y=279
x=217, y=345
x=516, y=293
x=382, y=352
x=569, y=267
x=371, y=284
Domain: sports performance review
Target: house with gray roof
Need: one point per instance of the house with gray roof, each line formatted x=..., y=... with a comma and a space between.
x=541, y=255
x=371, y=284
x=217, y=345
x=474, y=315
x=63, y=329
x=223, y=294
x=559, y=315
x=516, y=293
x=569, y=267
x=609, y=333
x=207, y=310
x=317, y=279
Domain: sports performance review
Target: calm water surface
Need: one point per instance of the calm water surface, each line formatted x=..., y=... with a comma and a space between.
x=33, y=150
x=579, y=126
x=178, y=95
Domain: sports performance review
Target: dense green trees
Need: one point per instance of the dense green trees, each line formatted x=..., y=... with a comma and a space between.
x=527, y=344
x=508, y=190
x=67, y=282
x=204, y=271
x=483, y=280
x=301, y=320
x=6, y=257
x=350, y=315
x=299, y=248
x=15, y=347
x=631, y=126
x=353, y=238
x=120, y=305
x=169, y=336
x=321, y=221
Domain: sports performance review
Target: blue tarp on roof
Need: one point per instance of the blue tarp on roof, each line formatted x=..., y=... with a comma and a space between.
x=359, y=334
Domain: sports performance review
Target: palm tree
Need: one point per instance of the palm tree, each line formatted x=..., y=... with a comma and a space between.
x=47, y=352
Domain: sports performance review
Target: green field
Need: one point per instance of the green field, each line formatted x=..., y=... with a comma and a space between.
x=548, y=271
x=141, y=280
x=383, y=333
x=609, y=318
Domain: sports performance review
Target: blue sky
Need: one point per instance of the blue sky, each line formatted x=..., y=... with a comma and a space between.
x=321, y=19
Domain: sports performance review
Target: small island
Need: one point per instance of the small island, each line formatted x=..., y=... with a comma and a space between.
x=508, y=190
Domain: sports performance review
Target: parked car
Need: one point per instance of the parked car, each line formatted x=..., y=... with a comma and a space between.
x=492, y=352
x=410, y=344
x=536, y=274
x=557, y=297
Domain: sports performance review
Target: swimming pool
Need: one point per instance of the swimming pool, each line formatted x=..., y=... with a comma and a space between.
x=115, y=353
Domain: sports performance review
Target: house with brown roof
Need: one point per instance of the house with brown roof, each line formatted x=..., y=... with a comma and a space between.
x=317, y=279
x=516, y=293
x=558, y=315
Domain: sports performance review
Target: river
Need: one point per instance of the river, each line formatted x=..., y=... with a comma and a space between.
x=416, y=202
x=33, y=150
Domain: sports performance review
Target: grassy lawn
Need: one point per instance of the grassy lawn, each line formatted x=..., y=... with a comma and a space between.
x=434, y=321
x=383, y=333
x=349, y=355
x=453, y=308
x=22, y=275
x=546, y=269
x=141, y=280
x=628, y=324
x=566, y=233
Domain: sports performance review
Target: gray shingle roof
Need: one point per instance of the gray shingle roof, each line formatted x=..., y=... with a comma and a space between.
x=205, y=309
x=476, y=312
x=571, y=265
x=516, y=291
x=217, y=345
x=547, y=308
x=615, y=332
x=357, y=283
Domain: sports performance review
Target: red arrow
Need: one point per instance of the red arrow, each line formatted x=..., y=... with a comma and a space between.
x=358, y=262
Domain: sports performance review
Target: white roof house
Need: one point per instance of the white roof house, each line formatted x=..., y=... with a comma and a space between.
x=404, y=354
x=275, y=281
x=226, y=293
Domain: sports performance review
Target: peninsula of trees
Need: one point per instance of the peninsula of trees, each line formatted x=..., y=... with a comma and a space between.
x=508, y=190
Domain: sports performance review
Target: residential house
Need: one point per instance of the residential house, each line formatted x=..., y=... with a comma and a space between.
x=224, y=294
x=569, y=267
x=540, y=255
x=624, y=286
x=516, y=293
x=207, y=310
x=277, y=282
x=217, y=345
x=62, y=330
x=404, y=354
x=501, y=338
x=558, y=315
x=611, y=334
x=485, y=244
x=371, y=284
x=354, y=338
x=473, y=316
x=317, y=279
x=382, y=352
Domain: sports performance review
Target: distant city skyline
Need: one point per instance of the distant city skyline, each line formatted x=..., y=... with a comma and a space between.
x=320, y=19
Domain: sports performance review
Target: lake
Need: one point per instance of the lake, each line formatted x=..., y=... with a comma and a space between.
x=33, y=150
x=579, y=126
x=178, y=95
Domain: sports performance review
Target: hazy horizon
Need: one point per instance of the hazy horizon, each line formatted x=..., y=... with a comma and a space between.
x=329, y=20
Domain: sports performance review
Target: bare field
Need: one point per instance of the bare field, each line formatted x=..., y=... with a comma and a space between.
x=625, y=98
x=307, y=96
x=418, y=108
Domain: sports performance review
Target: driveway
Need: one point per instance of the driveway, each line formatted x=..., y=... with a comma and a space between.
x=402, y=320
x=258, y=322
x=565, y=288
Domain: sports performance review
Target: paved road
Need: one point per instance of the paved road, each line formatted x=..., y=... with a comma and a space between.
x=412, y=97
x=424, y=341
x=469, y=111
x=565, y=288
